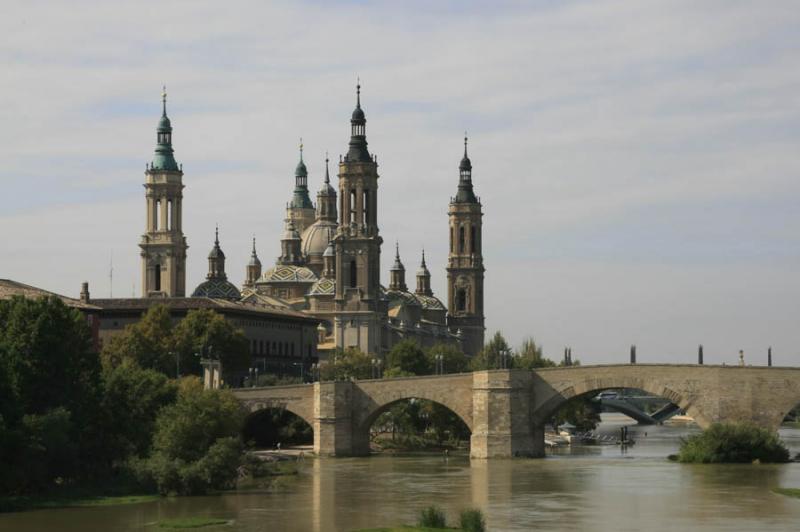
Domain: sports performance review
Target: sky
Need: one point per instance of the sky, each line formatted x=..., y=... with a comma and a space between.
x=638, y=161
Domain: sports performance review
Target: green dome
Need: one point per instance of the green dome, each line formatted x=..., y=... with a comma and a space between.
x=301, y=170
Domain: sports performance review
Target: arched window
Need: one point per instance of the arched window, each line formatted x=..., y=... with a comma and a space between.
x=461, y=239
x=461, y=300
x=169, y=215
x=353, y=207
x=157, y=277
x=157, y=214
x=365, y=217
x=473, y=247
x=353, y=274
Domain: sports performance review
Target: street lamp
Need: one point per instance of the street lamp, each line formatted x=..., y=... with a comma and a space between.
x=439, y=364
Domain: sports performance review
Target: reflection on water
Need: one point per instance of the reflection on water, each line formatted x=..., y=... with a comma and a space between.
x=585, y=488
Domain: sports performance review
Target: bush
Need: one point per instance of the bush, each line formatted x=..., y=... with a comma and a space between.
x=472, y=520
x=432, y=517
x=196, y=446
x=733, y=443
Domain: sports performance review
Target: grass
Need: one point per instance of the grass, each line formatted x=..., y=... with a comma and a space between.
x=404, y=529
x=191, y=522
x=789, y=492
x=16, y=504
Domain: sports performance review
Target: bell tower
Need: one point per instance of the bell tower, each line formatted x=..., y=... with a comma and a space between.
x=300, y=210
x=358, y=244
x=465, y=263
x=163, y=246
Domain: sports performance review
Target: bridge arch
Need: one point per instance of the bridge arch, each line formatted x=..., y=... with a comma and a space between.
x=377, y=397
x=255, y=406
x=367, y=421
x=588, y=385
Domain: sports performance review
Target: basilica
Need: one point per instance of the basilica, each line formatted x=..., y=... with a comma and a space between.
x=329, y=266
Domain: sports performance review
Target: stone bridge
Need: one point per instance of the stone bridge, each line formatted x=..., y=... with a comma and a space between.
x=506, y=410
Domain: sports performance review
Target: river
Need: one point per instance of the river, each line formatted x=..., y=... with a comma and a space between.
x=586, y=488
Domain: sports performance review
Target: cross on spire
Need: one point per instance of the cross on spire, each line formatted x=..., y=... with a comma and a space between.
x=163, y=100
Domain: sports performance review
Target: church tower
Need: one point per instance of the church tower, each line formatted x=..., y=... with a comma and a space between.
x=358, y=244
x=465, y=263
x=300, y=210
x=253, y=270
x=163, y=246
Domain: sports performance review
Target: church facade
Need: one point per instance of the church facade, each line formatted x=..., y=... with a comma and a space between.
x=329, y=266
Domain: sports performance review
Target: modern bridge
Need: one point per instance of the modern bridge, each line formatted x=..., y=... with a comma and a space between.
x=506, y=410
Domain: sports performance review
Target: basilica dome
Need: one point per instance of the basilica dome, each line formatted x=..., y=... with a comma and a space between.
x=317, y=236
x=217, y=288
x=287, y=273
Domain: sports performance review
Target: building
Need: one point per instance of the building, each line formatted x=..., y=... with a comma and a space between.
x=329, y=264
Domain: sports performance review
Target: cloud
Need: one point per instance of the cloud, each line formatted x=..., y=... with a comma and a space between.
x=636, y=160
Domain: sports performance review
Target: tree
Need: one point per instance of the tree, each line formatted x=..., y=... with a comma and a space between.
x=154, y=343
x=206, y=333
x=491, y=355
x=196, y=444
x=407, y=359
x=132, y=399
x=530, y=356
x=50, y=389
x=148, y=342
x=347, y=364
x=454, y=361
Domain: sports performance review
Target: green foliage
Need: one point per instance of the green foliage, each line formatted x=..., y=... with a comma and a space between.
x=191, y=522
x=207, y=333
x=271, y=379
x=580, y=411
x=733, y=443
x=196, y=445
x=419, y=424
x=789, y=492
x=347, y=364
x=266, y=428
x=49, y=389
x=472, y=520
x=432, y=517
x=408, y=357
x=133, y=398
x=490, y=356
x=454, y=360
x=148, y=342
x=530, y=356
x=154, y=343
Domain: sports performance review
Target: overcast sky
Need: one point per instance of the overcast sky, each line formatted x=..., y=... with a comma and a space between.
x=637, y=161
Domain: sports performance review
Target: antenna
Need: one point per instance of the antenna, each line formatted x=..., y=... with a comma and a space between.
x=111, y=276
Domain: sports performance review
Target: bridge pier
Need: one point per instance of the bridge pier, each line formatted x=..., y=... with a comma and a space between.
x=334, y=433
x=501, y=415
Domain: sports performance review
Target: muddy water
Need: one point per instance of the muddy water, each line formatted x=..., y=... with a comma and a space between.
x=589, y=488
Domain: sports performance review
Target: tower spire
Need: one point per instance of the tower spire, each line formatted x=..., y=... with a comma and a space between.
x=397, y=275
x=327, y=173
x=423, y=278
x=163, y=100
x=357, y=151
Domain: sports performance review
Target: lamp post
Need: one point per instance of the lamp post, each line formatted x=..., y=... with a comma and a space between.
x=439, y=364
